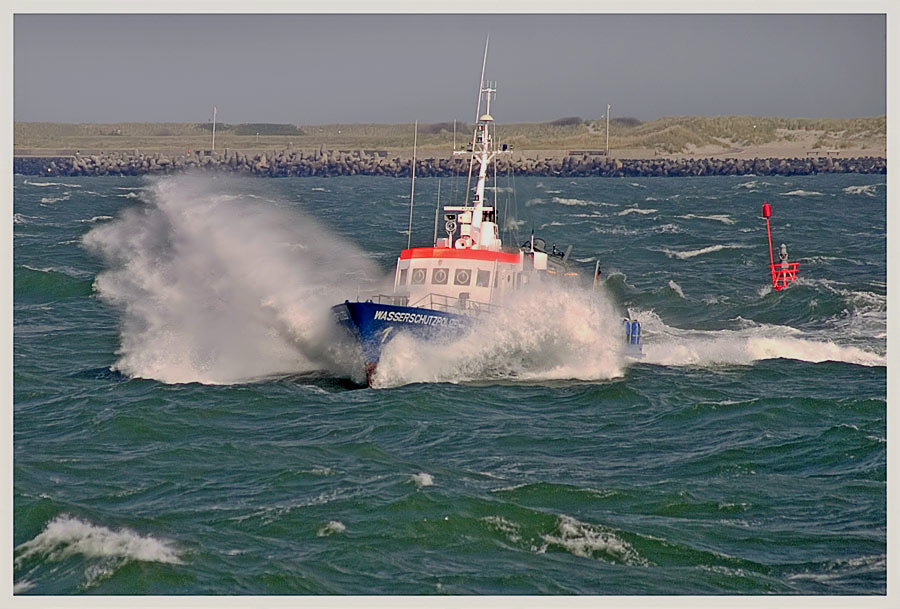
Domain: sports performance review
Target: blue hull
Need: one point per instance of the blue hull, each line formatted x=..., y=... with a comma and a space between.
x=374, y=325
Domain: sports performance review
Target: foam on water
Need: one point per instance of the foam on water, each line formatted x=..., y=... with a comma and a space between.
x=542, y=334
x=218, y=289
x=591, y=541
x=66, y=536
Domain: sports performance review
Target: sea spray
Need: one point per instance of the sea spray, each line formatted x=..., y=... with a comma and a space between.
x=543, y=332
x=218, y=288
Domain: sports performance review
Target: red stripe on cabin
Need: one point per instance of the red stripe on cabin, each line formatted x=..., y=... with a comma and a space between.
x=467, y=254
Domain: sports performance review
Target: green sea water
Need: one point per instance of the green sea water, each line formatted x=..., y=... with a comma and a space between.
x=186, y=421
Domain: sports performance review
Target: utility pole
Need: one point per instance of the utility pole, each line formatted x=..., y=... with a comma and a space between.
x=214, y=129
x=607, y=129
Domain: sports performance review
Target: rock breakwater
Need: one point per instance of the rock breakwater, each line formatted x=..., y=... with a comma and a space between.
x=331, y=163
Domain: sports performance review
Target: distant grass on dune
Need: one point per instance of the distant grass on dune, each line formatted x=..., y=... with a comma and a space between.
x=669, y=134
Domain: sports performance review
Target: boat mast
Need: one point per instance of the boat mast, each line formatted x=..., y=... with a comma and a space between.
x=477, y=114
x=412, y=190
x=483, y=151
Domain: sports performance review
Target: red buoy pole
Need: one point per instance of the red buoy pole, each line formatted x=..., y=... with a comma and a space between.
x=767, y=213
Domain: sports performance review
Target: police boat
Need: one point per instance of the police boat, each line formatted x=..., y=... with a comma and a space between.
x=441, y=290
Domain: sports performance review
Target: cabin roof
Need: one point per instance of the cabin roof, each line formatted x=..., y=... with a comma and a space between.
x=465, y=254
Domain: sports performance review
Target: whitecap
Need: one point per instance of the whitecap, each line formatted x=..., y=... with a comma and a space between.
x=723, y=218
x=802, y=193
x=865, y=189
x=96, y=219
x=636, y=210
x=422, y=479
x=66, y=536
x=21, y=586
x=43, y=184
x=570, y=202
x=65, y=197
x=699, y=252
x=676, y=288
x=332, y=527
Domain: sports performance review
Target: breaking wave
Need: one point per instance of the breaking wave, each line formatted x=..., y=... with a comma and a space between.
x=670, y=346
x=66, y=536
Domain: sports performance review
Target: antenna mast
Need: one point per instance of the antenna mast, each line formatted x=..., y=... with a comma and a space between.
x=412, y=190
x=477, y=114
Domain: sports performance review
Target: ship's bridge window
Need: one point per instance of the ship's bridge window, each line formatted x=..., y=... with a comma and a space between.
x=462, y=277
x=439, y=276
x=403, y=273
x=483, y=279
x=418, y=276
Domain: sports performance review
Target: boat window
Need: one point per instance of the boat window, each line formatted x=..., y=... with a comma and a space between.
x=462, y=277
x=439, y=276
x=483, y=279
x=402, y=277
x=418, y=276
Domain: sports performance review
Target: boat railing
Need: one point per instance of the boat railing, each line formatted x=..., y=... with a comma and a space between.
x=438, y=302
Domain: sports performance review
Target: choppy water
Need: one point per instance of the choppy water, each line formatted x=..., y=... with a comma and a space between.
x=185, y=423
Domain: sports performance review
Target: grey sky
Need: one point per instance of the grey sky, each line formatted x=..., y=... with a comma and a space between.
x=314, y=69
